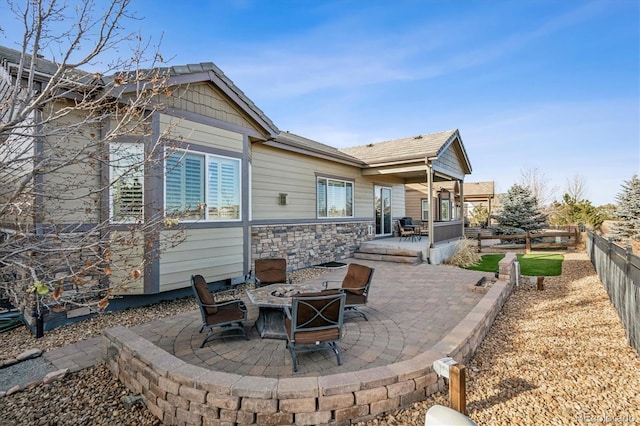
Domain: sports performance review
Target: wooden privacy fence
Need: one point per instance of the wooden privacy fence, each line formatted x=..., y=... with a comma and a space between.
x=538, y=240
x=619, y=271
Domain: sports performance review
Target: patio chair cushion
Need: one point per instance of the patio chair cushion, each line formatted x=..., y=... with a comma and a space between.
x=271, y=271
x=305, y=314
x=227, y=313
x=356, y=278
x=205, y=295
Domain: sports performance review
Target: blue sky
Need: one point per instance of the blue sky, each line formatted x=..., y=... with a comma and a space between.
x=552, y=86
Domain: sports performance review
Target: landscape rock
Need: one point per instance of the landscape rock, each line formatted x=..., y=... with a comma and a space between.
x=54, y=376
x=29, y=354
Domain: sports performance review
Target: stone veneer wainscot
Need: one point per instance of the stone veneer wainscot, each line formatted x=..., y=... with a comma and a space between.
x=305, y=245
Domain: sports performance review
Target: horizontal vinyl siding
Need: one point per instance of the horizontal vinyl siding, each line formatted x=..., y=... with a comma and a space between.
x=414, y=201
x=277, y=171
x=398, y=201
x=216, y=254
x=200, y=134
x=70, y=185
x=450, y=161
x=125, y=258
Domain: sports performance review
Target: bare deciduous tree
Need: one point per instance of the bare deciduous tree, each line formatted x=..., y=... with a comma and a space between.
x=575, y=187
x=538, y=184
x=75, y=150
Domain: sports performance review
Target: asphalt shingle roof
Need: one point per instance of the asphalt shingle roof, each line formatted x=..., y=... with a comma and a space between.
x=414, y=147
x=298, y=141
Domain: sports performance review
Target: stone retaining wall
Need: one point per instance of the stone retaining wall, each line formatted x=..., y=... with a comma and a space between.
x=179, y=393
x=305, y=245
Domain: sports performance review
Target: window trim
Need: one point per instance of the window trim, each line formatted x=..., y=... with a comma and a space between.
x=422, y=209
x=328, y=179
x=120, y=145
x=208, y=157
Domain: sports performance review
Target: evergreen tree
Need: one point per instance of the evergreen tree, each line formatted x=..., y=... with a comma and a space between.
x=520, y=212
x=628, y=211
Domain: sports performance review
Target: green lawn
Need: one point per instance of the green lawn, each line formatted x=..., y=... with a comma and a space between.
x=530, y=264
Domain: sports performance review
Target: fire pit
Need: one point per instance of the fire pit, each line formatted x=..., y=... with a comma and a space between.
x=285, y=292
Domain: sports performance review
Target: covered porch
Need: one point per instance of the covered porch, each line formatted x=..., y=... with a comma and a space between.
x=437, y=161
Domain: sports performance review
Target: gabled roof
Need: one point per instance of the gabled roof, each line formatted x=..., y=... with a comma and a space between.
x=416, y=148
x=177, y=74
x=208, y=71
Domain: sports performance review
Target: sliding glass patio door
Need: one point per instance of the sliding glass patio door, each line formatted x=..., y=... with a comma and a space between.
x=382, y=196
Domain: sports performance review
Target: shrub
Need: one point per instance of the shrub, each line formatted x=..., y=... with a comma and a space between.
x=465, y=254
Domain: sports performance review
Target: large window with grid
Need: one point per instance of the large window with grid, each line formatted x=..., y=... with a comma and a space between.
x=334, y=198
x=202, y=187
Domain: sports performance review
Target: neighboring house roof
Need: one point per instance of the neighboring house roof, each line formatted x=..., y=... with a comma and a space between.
x=472, y=189
x=479, y=189
x=44, y=68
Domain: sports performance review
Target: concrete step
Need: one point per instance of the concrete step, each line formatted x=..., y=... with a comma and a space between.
x=387, y=258
x=374, y=249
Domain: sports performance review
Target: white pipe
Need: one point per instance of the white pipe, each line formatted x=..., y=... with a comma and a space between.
x=516, y=265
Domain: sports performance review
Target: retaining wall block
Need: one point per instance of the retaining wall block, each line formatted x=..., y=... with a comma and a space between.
x=178, y=401
x=336, y=384
x=204, y=410
x=425, y=381
x=297, y=387
x=228, y=416
x=370, y=395
x=401, y=388
x=188, y=417
x=166, y=407
x=258, y=405
x=154, y=409
x=224, y=402
x=274, y=418
x=298, y=405
x=335, y=402
x=355, y=412
x=168, y=386
x=376, y=377
x=187, y=374
x=315, y=418
x=218, y=382
x=413, y=397
x=245, y=418
x=193, y=394
x=255, y=387
x=384, y=406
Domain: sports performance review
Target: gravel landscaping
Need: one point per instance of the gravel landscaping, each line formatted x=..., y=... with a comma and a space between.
x=556, y=357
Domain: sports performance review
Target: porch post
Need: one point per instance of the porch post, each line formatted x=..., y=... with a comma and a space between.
x=430, y=198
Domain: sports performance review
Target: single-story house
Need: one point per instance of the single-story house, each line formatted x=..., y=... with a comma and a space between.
x=240, y=189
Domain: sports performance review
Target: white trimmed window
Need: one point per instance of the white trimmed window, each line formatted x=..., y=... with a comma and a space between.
x=126, y=177
x=334, y=198
x=425, y=210
x=202, y=187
